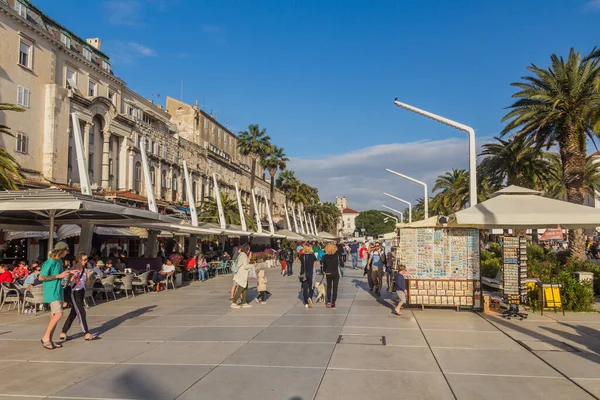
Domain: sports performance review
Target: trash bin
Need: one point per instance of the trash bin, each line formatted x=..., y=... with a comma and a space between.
x=584, y=276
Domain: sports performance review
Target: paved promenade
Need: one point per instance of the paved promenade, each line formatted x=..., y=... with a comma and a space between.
x=189, y=344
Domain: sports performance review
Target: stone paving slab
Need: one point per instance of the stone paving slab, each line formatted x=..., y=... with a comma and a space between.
x=100, y=351
x=470, y=340
x=361, y=385
x=147, y=382
x=282, y=354
x=301, y=334
x=200, y=353
x=376, y=357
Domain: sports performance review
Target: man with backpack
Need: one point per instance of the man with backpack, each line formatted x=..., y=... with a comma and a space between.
x=375, y=265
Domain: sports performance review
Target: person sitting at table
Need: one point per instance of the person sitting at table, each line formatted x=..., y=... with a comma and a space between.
x=5, y=275
x=32, y=279
x=120, y=265
x=167, y=269
x=21, y=271
x=192, y=266
x=109, y=269
x=202, y=268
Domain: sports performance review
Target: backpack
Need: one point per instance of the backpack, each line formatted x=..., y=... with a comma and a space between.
x=234, y=266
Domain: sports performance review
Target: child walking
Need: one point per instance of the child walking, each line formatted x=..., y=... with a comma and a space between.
x=400, y=286
x=261, y=286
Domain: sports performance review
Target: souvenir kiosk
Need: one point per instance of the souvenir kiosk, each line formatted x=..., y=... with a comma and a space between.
x=442, y=264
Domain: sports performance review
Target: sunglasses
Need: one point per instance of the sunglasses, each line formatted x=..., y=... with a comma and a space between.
x=38, y=269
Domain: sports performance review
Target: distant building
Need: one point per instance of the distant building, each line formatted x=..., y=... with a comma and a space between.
x=346, y=226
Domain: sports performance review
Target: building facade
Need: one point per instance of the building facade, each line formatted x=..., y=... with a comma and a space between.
x=346, y=225
x=51, y=73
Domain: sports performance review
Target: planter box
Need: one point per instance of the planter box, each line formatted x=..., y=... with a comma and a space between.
x=178, y=279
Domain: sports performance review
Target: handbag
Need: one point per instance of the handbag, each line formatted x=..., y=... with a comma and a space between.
x=252, y=273
x=302, y=277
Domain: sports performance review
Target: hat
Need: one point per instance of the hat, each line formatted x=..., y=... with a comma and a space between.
x=99, y=263
x=61, y=246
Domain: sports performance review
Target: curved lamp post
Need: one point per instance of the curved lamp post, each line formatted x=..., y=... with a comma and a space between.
x=472, y=153
x=396, y=211
x=426, y=194
x=389, y=216
x=404, y=201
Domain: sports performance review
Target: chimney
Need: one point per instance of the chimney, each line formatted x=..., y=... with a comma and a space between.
x=94, y=42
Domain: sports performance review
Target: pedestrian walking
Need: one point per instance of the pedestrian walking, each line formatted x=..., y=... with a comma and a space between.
x=376, y=264
x=79, y=278
x=354, y=253
x=307, y=265
x=331, y=271
x=263, y=293
x=51, y=276
x=400, y=286
x=241, y=278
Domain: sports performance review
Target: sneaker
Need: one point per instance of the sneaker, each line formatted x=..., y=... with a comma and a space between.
x=231, y=300
x=333, y=307
x=246, y=305
x=257, y=300
x=234, y=305
x=310, y=303
x=263, y=302
x=306, y=306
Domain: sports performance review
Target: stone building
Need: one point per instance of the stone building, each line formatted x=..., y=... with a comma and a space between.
x=51, y=72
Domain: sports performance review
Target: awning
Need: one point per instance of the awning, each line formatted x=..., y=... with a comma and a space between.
x=71, y=230
x=326, y=235
x=11, y=235
x=143, y=233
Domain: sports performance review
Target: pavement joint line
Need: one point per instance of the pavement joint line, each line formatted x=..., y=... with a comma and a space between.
x=506, y=375
x=541, y=359
x=474, y=348
x=23, y=395
x=383, y=370
x=84, y=398
x=435, y=358
x=270, y=366
x=169, y=364
x=33, y=361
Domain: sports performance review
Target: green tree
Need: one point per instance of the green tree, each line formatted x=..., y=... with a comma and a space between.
x=518, y=161
x=209, y=211
x=373, y=223
x=10, y=170
x=326, y=215
x=274, y=160
x=558, y=106
x=253, y=143
x=556, y=186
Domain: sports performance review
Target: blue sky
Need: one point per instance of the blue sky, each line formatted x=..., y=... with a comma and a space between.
x=321, y=76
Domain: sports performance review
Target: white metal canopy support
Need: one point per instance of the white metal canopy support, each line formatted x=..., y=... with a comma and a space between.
x=301, y=223
x=314, y=222
x=425, y=195
x=271, y=225
x=295, y=219
x=240, y=208
x=149, y=192
x=256, y=214
x=472, y=150
x=389, y=216
x=190, y=194
x=405, y=202
x=308, y=224
x=219, y=204
x=287, y=217
x=84, y=179
x=394, y=210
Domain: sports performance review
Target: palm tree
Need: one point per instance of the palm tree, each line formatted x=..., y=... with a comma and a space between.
x=285, y=181
x=518, y=161
x=274, y=160
x=254, y=143
x=557, y=106
x=453, y=192
x=9, y=167
x=556, y=185
x=209, y=211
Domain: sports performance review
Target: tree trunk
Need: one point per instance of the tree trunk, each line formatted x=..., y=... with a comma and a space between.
x=252, y=176
x=272, y=172
x=572, y=154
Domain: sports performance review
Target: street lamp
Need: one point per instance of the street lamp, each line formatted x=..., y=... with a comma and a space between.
x=389, y=216
x=472, y=152
x=404, y=201
x=396, y=211
x=425, y=197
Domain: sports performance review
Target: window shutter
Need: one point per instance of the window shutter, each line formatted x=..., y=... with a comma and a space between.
x=26, y=93
x=20, y=95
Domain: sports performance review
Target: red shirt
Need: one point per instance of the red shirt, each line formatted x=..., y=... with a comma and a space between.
x=6, y=277
x=20, y=272
x=191, y=264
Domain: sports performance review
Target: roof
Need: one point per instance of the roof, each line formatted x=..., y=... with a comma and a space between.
x=350, y=211
x=125, y=194
x=596, y=154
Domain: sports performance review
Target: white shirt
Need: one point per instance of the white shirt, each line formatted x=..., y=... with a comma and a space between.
x=168, y=268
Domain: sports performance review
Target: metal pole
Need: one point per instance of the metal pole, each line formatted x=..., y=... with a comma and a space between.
x=472, y=150
x=84, y=179
x=149, y=192
x=295, y=219
x=425, y=198
x=389, y=216
x=240, y=208
x=287, y=217
x=396, y=211
x=256, y=214
x=219, y=204
x=404, y=201
x=191, y=197
x=271, y=226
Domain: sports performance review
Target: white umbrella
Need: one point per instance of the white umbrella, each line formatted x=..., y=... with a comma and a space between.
x=521, y=208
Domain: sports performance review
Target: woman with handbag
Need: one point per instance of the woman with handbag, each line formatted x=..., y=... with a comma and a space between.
x=241, y=278
x=307, y=266
x=331, y=269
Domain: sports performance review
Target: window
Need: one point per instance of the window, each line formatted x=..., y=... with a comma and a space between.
x=152, y=176
x=214, y=130
x=155, y=149
x=165, y=152
x=163, y=179
x=92, y=134
x=136, y=139
x=210, y=164
x=92, y=88
x=66, y=40
x=23, y=96
x=146, y=118
x=22, y=143
x=138, y=177
x=105, y=66
x=25, y=53
x=148, y=145
x=111, y=97
x=205, y=125
x=176, y=157
x=71, y=81
x=174, y=184
x=220, y=133
x=21, y=9
x=91, y=165
x=87, y=54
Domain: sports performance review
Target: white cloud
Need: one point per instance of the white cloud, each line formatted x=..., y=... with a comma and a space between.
x=127, y=52
x=361, y=176
x=123, y=12
x=592, y=5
